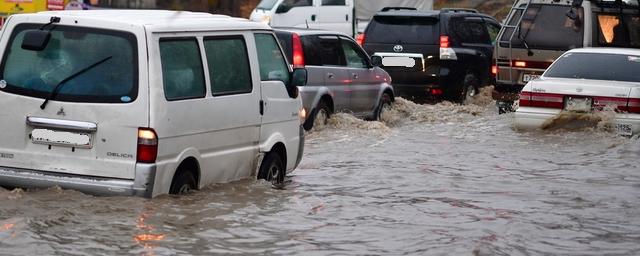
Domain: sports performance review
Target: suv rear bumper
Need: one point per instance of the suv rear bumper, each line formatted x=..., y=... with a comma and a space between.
x=141, y=186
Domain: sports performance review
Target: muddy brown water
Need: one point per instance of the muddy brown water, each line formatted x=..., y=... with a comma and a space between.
x=436, y=179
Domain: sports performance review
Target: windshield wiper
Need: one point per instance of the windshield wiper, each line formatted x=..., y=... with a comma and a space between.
x=54, y=92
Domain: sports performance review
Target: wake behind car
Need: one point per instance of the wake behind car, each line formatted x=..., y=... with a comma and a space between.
x=585, y=81
x=341, y=77
x=125, y=102
x=431, y=54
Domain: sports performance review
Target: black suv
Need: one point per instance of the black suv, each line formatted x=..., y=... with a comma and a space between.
x=430, y=54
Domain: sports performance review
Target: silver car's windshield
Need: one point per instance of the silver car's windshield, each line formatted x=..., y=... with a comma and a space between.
x=596, y=66
x=35, y=73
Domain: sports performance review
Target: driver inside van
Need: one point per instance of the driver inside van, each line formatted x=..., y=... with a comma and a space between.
x=53, y=65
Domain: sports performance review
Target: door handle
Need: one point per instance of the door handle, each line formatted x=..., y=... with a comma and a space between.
x=355, y=76
x=330, y=75
x=347, y=17
x=313, y=17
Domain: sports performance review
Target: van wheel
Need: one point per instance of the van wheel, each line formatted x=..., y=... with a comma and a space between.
x=319, y=116
x=384, y=105
x=469, y=89
x=272, y=169
x=183, y=183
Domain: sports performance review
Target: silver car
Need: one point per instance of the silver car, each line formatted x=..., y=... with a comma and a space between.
x=341, y=77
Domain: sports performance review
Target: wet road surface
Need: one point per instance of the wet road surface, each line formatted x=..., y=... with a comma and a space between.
x=436, y=179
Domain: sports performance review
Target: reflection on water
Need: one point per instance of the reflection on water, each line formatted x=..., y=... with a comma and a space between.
x=439, y=179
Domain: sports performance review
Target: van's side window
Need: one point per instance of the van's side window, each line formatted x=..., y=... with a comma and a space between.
x=228, y=62
x=182, y=71
x=333, y=2
x=272, y=63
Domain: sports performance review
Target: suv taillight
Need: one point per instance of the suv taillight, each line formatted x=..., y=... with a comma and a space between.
x=446, y=53
x=298, y=53
x=147, y=145
x=360, y=39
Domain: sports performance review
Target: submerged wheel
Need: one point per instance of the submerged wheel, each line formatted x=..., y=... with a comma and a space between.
x=272, y=169
x=469, y=89
x=384, y=105
x=319, y=116
x=183, y=183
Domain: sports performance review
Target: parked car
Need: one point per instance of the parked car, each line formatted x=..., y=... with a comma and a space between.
x=144, y=103
x=585, y=80
x=539, y=31
x=341, y=77
x=430, y=54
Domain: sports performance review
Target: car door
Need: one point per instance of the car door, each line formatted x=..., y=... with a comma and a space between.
x=472, y=32
x=363, y=90
x=335, y=15
x=331, y=66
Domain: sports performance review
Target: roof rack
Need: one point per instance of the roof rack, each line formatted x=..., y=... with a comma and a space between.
x=458, y=10
x=397, y=8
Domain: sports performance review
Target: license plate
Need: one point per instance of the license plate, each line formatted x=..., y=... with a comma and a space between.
x=578, y=104
x=624, y=129
x=61, y=138
x=529, y=77
x=398, y=62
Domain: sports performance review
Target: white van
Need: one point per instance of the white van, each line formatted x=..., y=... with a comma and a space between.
x=126, y=102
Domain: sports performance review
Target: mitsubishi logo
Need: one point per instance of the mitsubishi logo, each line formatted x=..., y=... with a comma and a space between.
x=398, y=48
x=61, y=112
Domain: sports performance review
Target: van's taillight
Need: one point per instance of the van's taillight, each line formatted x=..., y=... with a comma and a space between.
x=360, y=39
x=541, y=100
x=446, y=53
x=520, y=64
x=298, y=53
x=494, y=70
x=147, y=145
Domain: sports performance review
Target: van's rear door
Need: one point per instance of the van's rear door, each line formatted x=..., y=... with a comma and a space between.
x=89, y=125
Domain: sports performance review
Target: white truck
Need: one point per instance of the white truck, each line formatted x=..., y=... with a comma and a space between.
x=336, y=15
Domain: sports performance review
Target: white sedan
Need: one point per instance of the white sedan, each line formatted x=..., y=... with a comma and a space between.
x=588, y=86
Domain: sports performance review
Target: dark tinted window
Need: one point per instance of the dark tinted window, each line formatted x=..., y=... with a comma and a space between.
x=284, y=39
x=322, y=51
x=468, y=31
x=493, y=30
x=546, y=27
x=182, y=72
x=615, y=67
x=618, y=30
x=333, y=2
x=228, y=63
x=70, y=50
x=403, y=29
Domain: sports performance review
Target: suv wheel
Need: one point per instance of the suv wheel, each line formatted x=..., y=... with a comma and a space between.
x=319, y=116
x=469, y=88
x=384, y=105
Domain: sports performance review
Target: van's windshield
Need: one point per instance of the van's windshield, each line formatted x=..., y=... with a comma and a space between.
x=545, y=27
x=266, y=4
x=71, y=49
x=596, y=66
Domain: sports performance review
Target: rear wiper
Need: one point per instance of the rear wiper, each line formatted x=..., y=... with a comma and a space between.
x=54, y=92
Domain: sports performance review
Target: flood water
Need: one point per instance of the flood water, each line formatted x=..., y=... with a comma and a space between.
x=438, y=179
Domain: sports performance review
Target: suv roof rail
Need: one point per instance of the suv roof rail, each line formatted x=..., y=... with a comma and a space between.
x=397, y=8
x=459, y=10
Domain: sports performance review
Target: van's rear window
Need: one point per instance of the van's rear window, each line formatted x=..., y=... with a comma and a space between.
x=70, y=51
x=403, y=29
x=545, y=27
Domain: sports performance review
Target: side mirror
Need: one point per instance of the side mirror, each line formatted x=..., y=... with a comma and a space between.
x=571, y=14
x=298, y=78
x=35, y=40
x=376, y=61
x=283, y=8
